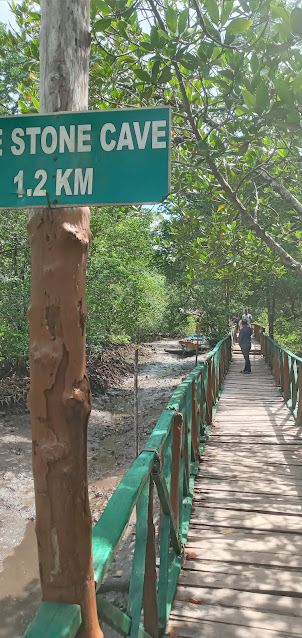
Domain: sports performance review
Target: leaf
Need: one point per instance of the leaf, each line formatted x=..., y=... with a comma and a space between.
x=296, y=20
x=155, y=70
x=171, y=19
x=282, y=89
x=193, y=601
x=142, y=75
x=191, y=555
x=226, y=531
x=183, y=21
x=36, y=103
x=24, y=108
x=154, y=37
x=212, y=9
x=165, y=75
x=254, y=63
x=220, y=207
x=147, y=46
x=238, y=25
x=262, y=95
x=226, y=11
x=101, y=25
x=99, y=5
x=249, y=98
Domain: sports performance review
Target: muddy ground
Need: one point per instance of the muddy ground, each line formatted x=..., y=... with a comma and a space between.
x=110, y=454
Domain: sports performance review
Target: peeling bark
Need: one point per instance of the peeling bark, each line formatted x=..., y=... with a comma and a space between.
x=60, y=403
x=60, y=398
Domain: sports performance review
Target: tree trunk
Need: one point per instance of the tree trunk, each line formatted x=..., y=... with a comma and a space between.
x=271, y=314
x=60, y=399
x=227, y=302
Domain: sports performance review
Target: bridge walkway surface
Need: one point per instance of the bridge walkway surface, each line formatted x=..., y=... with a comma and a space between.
x=243, y=574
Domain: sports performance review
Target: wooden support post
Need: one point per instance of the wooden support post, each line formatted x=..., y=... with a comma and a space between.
x=195, y=439
x=150, y=593
x=176, y=454
x=276, y=366
x=135, y=402
x=60, y=399
x=201, y=406
x=186, y=458
x=281, y=372
x=293, y=387
x=285, y=377
x=221, y=367
x=299, y=410
x=209, y=392
x=214, y=380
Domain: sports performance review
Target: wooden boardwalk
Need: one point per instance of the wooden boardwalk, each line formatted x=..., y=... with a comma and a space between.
x=243, y=573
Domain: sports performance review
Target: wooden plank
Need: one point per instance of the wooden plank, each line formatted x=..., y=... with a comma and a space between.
x=253, y=540
x=248, y=439
x=247, y=520
x=253, y=579
x=242, y=557
x=289, y=575
x=248, y=600
x=285, y=460
x=251, y=502
x=259, y=469
x=243, y=617
x=271, y=446
x=194, y=629
x=55, y=620
x=259, y=486
x=116, y=618
x=135, y=597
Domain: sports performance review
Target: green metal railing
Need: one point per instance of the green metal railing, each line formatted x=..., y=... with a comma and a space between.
x=286, y=368
x=169, y=462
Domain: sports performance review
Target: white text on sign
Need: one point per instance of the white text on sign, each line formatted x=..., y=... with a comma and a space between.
x=78, y=138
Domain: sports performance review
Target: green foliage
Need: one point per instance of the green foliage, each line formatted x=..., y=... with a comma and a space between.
x=232, y=73
x=14, y=285
x=125, y=293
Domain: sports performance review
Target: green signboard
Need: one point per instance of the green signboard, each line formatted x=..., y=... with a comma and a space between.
x=91, y=158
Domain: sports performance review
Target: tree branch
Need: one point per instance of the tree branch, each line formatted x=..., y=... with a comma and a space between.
x=281, y=190
x=285, y=258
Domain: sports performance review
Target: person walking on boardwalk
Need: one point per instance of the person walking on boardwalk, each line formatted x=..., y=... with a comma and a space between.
x=245, y=335
x=246, y=315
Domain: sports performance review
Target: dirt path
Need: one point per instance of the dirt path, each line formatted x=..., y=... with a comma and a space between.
x=110, y=454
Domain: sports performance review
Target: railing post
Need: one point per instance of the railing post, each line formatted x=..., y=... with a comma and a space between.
x=150, y=593
x=201, y=407
x=186, y=459
x=213, y=379
x=176, y=454
x=294, y=388
x=285, y=377
x=135, y=597
x=299, y=411
x=276, y=366
x=281, y=371
x=194, y=432
x=209, y=392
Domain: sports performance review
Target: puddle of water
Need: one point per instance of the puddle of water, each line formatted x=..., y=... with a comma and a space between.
x=20, y=593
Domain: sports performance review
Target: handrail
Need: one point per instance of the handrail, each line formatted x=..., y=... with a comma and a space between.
x=169, y=461
x=287, y=370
